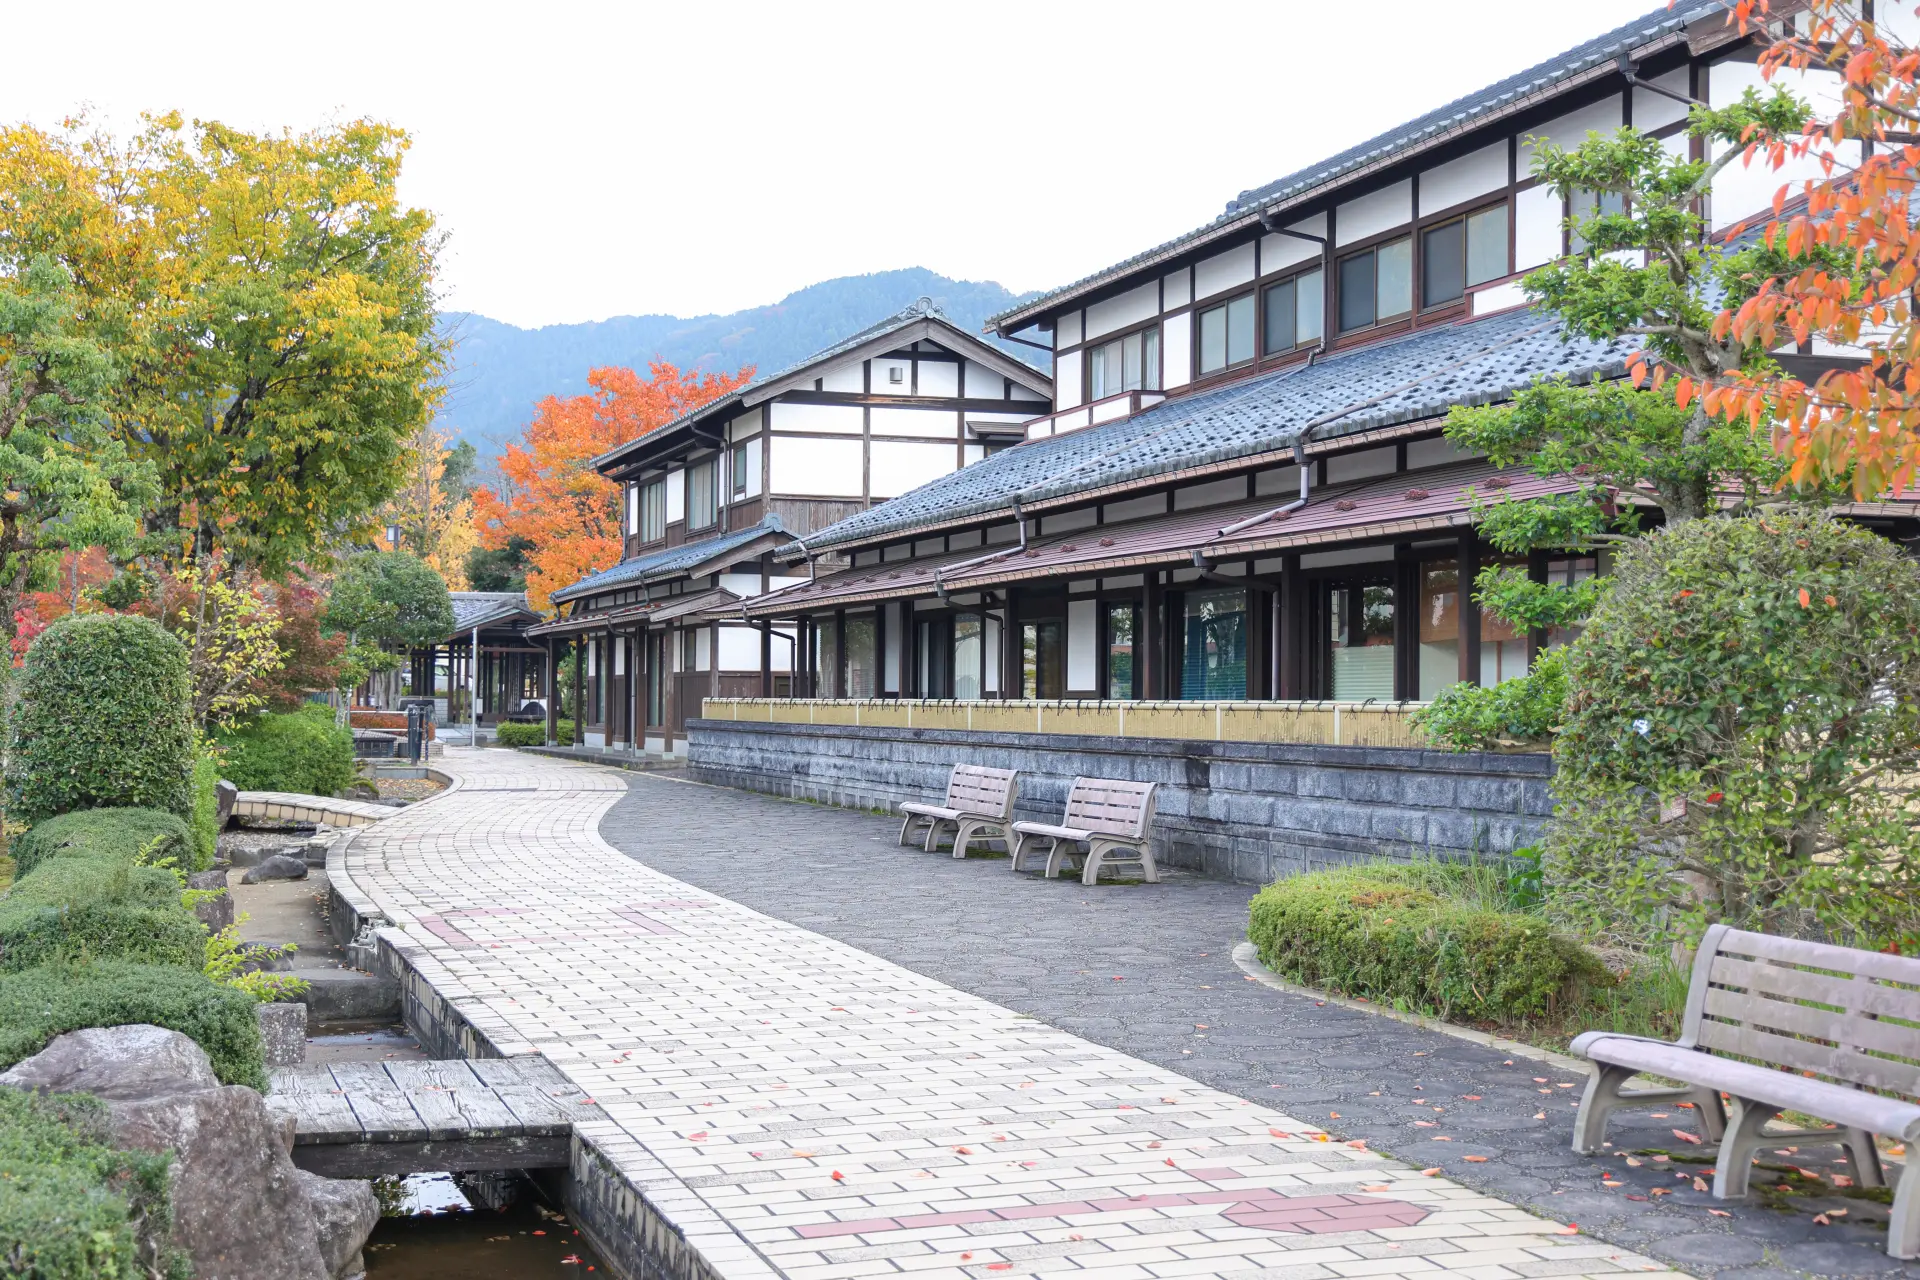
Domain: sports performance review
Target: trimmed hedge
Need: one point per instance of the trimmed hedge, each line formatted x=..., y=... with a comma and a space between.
x=521, y=735
x=1380, y=933
x=303, y=751
x=81, y=897
x=41, y=1003
x=116, y=835
x=75, y=1208
x=102, y=720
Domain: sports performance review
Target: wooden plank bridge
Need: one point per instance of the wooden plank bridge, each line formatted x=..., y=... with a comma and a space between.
x=380, y=1119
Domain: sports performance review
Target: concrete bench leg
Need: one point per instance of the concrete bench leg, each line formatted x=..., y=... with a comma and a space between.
x=1866, y=1159
x=1020, y=849
x=1101, y=853
x=906, y=828
x=1605, y=1095
x=933, y=833
x=971, y=830
x=1057, y=856
x=1903, y=1225
x=1744, y=1139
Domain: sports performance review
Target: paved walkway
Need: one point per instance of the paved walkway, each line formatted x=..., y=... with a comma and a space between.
x=805, y=1109
x=1496, y=1121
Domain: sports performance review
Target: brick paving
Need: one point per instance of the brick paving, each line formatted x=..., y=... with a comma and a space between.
x=803, y=1108
x=1493, y=1120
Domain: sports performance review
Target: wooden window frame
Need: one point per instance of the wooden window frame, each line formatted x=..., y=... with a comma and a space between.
x=1088, y=347
x=1459, y=213
x=1314, y=266
x=1409, y=232
x=1220, y=302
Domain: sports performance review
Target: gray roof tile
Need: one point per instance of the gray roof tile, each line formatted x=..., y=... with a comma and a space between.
x=1402, y=380
x=667, y=562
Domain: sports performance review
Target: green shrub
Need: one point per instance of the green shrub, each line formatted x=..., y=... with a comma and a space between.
x=75, y=1208
x=98, y=907
x=1521, y=713
x=206, y=808
x=113, y=835
x=1393, y=935
x=102, y=720
x=1741, y=738
x=303, y=751
x=41, y=1003
x=521, y=735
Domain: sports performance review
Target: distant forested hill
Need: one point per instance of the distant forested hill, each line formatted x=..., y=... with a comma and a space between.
x=501, y=372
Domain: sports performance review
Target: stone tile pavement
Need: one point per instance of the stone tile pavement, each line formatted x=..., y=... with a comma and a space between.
x=1147, y=969
x=806, y=1109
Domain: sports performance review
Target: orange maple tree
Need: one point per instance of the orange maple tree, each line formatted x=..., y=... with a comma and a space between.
x=1858, y=423
x=549, y=493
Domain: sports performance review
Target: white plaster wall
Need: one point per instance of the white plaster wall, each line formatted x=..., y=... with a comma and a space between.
x=1570, y=130
x=741, y=584
x=1130, y=307
x=898, y=466
x=1434, y=452
x=1083, y=647
x=849, y=378
x=1030, y=394
x=1375, y=212
x=676, y=496
x=1537, y=215
x=983, y=383
x=753, y=469
x=939, y=378
x=1277, y=253
x=1460, y=180
x=938, y=424
x=1177, y=289
x=1211, y=494
x=881, y=378
x=703, y=649
x=1365, y=463
x=1067, y=330
x=633, y=508
x=746, y=424
x=1066, y=380
x=740, y=648
x=1176, y=350
x=842, y=418
x=1656, y=110
x=1223, y=271
x=817, y=468
x=1744, y=190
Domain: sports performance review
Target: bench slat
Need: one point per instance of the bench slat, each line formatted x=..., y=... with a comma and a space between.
x=1109, y=807
x=1843, y=960
x=1804, y=1020
x=1842, y=1063
x=1860, y=998
x=980, y=790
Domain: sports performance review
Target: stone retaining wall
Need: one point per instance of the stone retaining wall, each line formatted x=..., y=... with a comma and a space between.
x=1245, y=811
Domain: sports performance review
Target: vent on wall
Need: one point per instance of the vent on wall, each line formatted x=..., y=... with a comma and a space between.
x=896, y=375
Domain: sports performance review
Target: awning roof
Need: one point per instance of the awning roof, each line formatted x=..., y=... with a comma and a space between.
x=1405, y=504
x=665, y=609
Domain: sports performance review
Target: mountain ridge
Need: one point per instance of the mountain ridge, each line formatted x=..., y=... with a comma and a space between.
x=501, y=371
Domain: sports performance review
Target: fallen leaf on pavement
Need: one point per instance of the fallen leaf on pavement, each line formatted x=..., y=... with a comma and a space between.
x=1821, y=1220
x=1474, y=1159
x=839, y=1176
x=1700, y=1184
x=1719, y=1213
x=1684, y=1136
x=1381, y=1186
x=1539, y=1115
x=1278, y=1134
x=1423, y=1124
x=1571, y=1229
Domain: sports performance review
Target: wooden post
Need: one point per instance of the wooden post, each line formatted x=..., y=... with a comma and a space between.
x=1293, y=629
x=1012, y=652
x=1469, y=570
x=1151, y=654
x=766, y=659
x=1406, y=624
x=552, y=686
x=839, y=673
x=1536, y=636
x=579, y=688
x=1259, y=640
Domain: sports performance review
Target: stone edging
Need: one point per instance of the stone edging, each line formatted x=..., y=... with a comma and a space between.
x=1247, y=957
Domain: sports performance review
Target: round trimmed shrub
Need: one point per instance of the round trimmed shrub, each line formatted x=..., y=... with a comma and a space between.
x=102, y=720
x=521, y=735
x=109, y=835
x=303, y=751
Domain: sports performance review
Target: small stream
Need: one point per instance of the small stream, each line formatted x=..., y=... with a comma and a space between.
x=432, y=1232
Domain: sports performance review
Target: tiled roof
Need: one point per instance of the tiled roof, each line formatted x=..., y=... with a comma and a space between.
x=1601, y=49
x=665, y=609
x=667, y=562
x=478, y=608
x=913, y=313
x=1402, y=380
x=1406, y=504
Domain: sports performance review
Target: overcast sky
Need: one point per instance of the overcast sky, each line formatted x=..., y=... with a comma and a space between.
x=590, y=160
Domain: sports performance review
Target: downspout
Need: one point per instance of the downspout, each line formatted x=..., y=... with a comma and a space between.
x=939, y=587
x=1306, y=493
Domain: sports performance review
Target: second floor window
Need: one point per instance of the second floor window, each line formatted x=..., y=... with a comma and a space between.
x=653, y=511
x=703, y=496
x=1376, y=285
x=737, y=464
x=1457, y=255
x=1293, y=312
x=1226, y=334
x=1131, y=363
x=1587, y=204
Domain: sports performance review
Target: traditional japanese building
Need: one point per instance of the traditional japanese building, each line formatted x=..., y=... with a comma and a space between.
x=1242, y=491
x=711, y=495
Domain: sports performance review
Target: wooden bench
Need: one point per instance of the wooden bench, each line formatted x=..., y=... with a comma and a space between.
x=1111, y=818
x=1779, y=1025
x=979, y=805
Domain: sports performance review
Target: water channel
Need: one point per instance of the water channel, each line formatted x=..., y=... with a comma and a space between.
x=432, y=1232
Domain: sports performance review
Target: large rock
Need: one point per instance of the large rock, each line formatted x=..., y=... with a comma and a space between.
x=134, y=1061
x=283, y=1033
x=240, y=1210
x=215, y=913
x=345, y=1213
x=226, y=795
x=279, y=867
